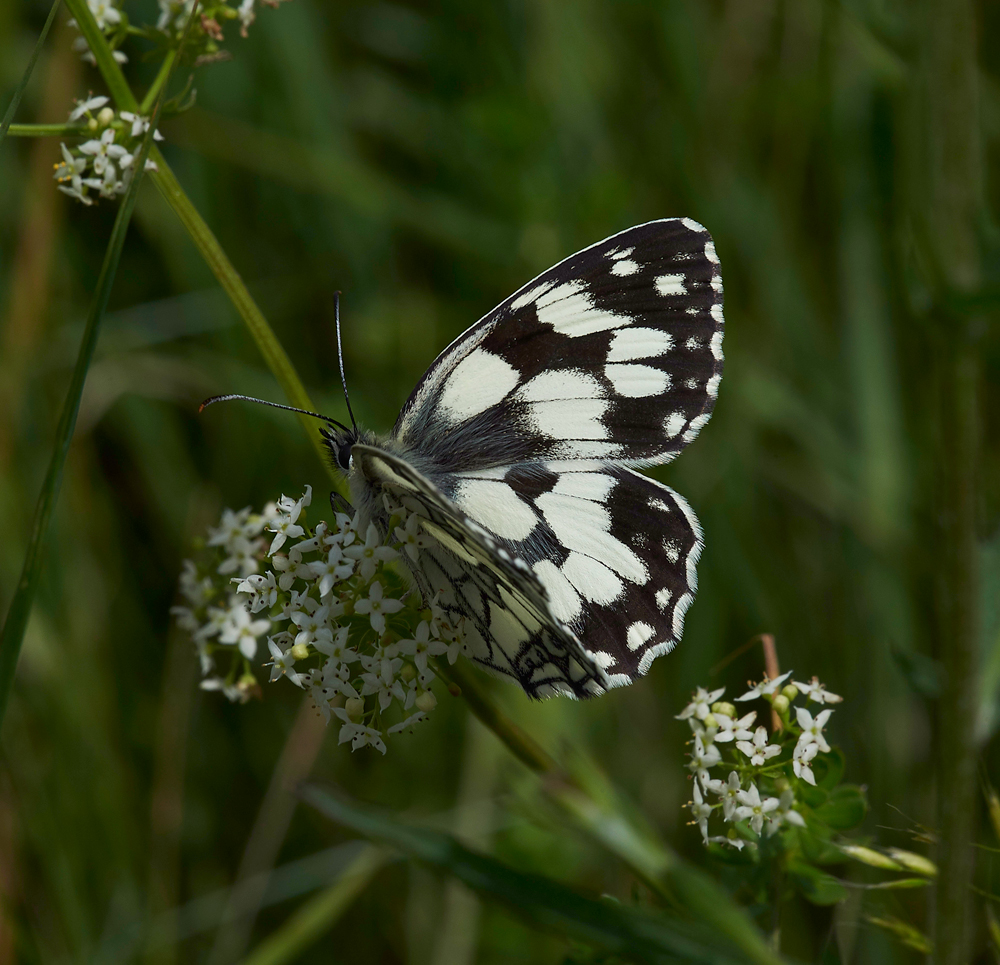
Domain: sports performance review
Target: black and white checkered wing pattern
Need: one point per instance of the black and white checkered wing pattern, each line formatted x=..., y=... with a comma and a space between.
x=614, y=354
x=496, y=597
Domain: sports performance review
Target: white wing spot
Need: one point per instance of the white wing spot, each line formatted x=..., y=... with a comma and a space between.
x=710, y=252
x=628, y=344
x=671, y=285
x=497, y=507
x=692, y=343
x=716, y=346
x=672, y=549
x=712, y=386
x=618, y=253
x=593, y=580
x=624, y=267
x=570, y=311
x=637, y=381
x=602, y=658
x=570, y=418
x=674, y=423
x=659, y=504
x=717, y=283
x=585, y=485
x=716, y=313
x=638, y=634
x=530, y=295
x=560, y=384
x=583, y=527
x=564, y=601
x=692, y=383
x=663, y=599
x=479, y=381
x=691, y=224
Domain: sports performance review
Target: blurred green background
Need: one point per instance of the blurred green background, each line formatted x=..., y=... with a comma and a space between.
x=427, y=160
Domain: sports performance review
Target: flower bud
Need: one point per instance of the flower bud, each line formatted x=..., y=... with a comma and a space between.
x=710, y=722
x=870, y=857
x=408, y=672
x=105, y=116
x=426, y=702
x=92, y=124
x=790, y=691
x=913, y=862
x=355, y=707
x=724, y=707
x=780, y=703
x=300, y=651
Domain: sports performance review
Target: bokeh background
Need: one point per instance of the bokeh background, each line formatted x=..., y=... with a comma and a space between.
x=427, y=159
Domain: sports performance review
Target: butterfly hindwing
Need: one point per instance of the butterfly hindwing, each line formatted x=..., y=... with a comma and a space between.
x=614, y=354
x=614, y=551
x=508, y=624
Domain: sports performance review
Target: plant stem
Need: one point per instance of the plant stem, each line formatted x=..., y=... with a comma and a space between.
x=26, y=76
x=16, y=623
x=161, y=78
x=48, y=130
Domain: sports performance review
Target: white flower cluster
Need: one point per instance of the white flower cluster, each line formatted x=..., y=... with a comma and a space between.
x=339, y=621
x=104, y=164
x=714, y=722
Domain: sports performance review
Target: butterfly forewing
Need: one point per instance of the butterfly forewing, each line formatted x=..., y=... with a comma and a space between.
x=614, y=354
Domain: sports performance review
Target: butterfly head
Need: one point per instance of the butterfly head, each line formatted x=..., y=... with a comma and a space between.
x=340, y=440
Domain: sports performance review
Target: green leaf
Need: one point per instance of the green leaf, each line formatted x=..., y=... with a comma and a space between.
x=829, y=769
x=26, y=76
x=620, y=929
x=816, y=886
x=844, y=809
x=16, y=623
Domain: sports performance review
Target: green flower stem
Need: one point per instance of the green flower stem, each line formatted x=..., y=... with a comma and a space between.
x=16, y=623
x=161, y=78
x=49, y=130
x=26, y=76
x=593, y=805
x=274, y=355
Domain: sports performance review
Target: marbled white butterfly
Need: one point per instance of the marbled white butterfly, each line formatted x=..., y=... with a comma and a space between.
x=569, y=570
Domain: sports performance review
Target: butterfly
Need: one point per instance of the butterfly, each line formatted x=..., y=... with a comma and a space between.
x=569, y=570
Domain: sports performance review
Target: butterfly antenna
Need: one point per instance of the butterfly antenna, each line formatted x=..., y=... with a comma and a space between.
x=340, y=357
x=273, y=405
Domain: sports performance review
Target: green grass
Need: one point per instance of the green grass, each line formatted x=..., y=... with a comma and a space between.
x=427, y=161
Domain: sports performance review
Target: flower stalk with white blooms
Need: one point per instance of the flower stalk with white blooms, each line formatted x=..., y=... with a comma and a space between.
x=323, y=607
x=773, y=802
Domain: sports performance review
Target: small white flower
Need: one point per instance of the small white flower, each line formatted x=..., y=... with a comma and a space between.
x=785, y=814
x=409, y=723
x=376, y=606
x=263, y=590
x=759, y=751
x=700, y=810
x=282, y=662
x=812, y=727
x=737, y=843
x=728, y=792
x=801, y=761
x=139, y=125
x=242, y=556
x=240, y=630
x=370, y=553
x=229, y=691
x=729, y=729
x=815, y=691
x=104, y=13
x=104, y=151
x=410, y=536
x=86, y=106
x=701, y=703
x=702, y=758
x=70, y=175
x=246, y=15
x=752, y=807
x=332, y=570
x=217, y=619
x=384, y=683
x=422, y=646
x=310, y=623
x=284, y=525
x=766, y=687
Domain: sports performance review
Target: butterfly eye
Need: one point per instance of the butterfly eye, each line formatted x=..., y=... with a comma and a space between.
x=344, y=457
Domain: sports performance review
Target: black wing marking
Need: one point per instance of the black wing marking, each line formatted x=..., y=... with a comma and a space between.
x=507, y=619
x=614, y=354
x=615, y=551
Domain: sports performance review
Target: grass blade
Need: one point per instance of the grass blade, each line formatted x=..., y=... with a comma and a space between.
x=635, y=934
x=318, y=914
x=26, y=76
x=20, y=608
